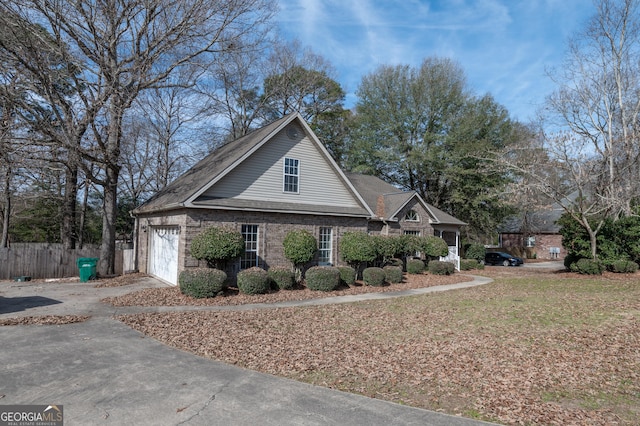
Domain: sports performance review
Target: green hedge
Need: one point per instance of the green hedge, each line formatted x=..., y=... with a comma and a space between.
x=469, y=264
x=322, y=278
x=373, y=276
x=217, y=245
x=393, y=274
x=347, y=275
x=624, y=267
x=476, y=252
x=438, y=267
x=254, y=281
x=284, y=278
x=202, y=282
x=588, y=267
x=415, y=266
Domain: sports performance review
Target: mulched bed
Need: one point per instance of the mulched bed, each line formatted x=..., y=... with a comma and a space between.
x=172, y=296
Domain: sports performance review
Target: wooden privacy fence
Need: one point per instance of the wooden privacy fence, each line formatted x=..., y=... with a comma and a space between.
x=37, y=261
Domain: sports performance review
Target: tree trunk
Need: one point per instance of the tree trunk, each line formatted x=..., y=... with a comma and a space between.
x=106, y=266
x=83, y=214
x=69, y=235
x=4, y=240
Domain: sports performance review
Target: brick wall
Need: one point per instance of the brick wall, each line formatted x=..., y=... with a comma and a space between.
x=272, y=228
x=541, y=247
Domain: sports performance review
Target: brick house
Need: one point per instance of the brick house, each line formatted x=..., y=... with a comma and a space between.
x=536, y=234
x=271, y=181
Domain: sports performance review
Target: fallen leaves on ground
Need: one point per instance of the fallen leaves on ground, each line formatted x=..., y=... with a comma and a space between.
x=171, y=296
x=554, y=349
x=44, y=320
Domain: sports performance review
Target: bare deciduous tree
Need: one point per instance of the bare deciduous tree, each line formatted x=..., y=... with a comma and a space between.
x=122, y=48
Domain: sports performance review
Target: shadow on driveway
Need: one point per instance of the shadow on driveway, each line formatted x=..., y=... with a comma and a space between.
x=17, y=304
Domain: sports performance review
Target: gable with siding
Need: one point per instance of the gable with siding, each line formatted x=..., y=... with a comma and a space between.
x=260, y=176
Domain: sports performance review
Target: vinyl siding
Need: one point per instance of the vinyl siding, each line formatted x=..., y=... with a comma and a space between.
x=260, y=177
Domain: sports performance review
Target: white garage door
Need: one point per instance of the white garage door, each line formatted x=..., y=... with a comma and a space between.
x=163, y=253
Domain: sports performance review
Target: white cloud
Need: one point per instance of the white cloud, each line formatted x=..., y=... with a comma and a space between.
x=503, y=46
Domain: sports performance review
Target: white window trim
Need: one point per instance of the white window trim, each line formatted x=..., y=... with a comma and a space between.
x=285, y=174
x=417, y=219
x=329, y=248
x=243, y=259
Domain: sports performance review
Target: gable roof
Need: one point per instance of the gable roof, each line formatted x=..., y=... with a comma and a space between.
x=376, y=199
x=386, y=200
x=188, y=189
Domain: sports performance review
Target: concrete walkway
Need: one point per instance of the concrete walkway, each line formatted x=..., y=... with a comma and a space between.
x=103, y=372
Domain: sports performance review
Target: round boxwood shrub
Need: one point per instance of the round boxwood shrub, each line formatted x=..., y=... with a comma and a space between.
x=434, y=246
x=202, y=282
x=217, y=245
x=322, y=278
x=438, y=267
x=373, y=276
x=283, y=277
x=299, y=247
x=588, y=267
x=624, y=266
x=469, y=264
x=253, y=281
x=357, y=248
x=393, y=274
x=347, y=275
x=415, y=266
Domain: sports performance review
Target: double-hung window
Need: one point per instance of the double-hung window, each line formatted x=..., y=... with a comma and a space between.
x=250, y=257
x=325, y=246
x=291, y=175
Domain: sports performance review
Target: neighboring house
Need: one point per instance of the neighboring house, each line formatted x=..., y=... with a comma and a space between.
x=271, y=181
x=536, y=232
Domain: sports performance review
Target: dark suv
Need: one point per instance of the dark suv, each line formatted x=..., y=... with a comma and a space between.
x=504, y=259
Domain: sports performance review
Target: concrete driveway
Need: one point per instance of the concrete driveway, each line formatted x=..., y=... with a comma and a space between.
x=103, y=372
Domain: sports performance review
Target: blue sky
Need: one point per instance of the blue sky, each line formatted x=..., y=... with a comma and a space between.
x=504, y=46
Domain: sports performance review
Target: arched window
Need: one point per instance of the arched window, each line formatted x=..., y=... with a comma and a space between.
x=412, y=216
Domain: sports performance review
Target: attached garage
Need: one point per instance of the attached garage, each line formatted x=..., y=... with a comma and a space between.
x=163, y=253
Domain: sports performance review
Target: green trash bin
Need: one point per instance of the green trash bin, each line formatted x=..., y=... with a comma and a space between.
x=87, y=267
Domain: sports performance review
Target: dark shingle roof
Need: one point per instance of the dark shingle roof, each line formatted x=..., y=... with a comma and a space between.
x=372, y=187
x=190, y=183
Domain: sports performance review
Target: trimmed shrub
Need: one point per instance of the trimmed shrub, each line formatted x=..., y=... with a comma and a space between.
x=438, y=267
x=202, y=282
x=415, y=266
x=387, y=246
x=357, y=248
x=373, y=276
x=322, y=278
x=434, y=246
x=253, y=281
x=283, y=277
x=588, y=267
x=570, y=259
x=347, y=275
x=476, y=252
x=393, y=274
x=217, y=245
x=469, y=264
x=299, y=247
x=624, y=267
